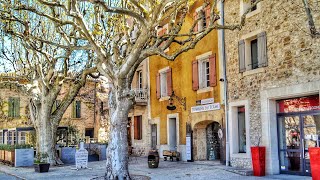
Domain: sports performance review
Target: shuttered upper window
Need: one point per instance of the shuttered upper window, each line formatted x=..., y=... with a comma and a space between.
x=204, y=15
x=253, y=52
x=164, y=83
x=76, y=111
x=14, y=107
x=204, y=72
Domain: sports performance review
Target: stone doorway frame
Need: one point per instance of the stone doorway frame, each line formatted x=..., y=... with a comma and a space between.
x=269, y=117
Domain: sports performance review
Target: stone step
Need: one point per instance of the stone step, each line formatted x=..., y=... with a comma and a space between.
x=243, y=172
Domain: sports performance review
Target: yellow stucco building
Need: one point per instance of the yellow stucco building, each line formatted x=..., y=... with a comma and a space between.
x=194, y=75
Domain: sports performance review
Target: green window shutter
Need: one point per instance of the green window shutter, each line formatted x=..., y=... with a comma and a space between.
x=10, y=107
x=17, y=107
x=79, y=109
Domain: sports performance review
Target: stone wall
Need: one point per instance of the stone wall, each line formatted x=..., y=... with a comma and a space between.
x=293, y=56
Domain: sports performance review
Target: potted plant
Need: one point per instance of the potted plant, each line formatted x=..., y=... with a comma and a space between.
x=41, y=163
x=258, y=154
x=24, y=155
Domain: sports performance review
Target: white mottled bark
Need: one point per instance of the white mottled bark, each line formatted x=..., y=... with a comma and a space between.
x=117, y=153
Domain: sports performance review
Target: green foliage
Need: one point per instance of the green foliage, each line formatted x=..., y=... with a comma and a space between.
x=41, y=158
x=9, y=147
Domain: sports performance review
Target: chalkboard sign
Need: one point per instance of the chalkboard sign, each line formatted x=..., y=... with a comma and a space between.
x=81, y=157
x=24, y=157
x=68, y=154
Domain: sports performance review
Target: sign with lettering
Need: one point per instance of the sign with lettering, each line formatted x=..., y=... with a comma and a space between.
x=81, y=157
x=203, y=108
x=207, y=101
x=188, y=148
x=24, y=157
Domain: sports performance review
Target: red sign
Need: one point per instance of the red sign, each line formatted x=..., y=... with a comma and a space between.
x=309, y=103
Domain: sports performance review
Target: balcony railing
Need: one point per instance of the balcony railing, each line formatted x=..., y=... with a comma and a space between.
x=141, y=96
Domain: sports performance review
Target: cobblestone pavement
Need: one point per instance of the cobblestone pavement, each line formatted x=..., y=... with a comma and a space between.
x=167, y=170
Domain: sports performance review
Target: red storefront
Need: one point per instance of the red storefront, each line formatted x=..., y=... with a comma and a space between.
x=298, y=130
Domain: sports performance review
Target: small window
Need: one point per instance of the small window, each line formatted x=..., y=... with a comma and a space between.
x=163, y=84
x=204, y=14
x=254, y=7
x=242, y=129
x=138, y=127
x=14, y=107
x=22, y=138
x=254, y=54
x=139, y=73
x=76, y=109
x=12, y=137
x=204, y=73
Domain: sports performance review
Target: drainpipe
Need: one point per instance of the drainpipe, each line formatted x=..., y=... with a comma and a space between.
x=225, y=93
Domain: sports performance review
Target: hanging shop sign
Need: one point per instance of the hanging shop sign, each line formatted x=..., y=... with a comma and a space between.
x=207, y=107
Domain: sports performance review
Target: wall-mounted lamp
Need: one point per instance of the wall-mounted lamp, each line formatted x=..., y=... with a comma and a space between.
x=182, y=102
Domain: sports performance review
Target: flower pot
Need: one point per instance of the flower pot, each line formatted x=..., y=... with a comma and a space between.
x=315, y=162
x=258, y=160
x=2, y=157
x=9, y=157
x=42, y=167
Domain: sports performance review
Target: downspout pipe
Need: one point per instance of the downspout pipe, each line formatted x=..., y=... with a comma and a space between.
x=225, y=93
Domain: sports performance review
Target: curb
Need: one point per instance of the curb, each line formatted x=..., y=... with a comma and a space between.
x=10, y=174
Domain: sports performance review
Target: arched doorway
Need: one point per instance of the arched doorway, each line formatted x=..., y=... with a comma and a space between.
x=206, y=143
x=213, y=142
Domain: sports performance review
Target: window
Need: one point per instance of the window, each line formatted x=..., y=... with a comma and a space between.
x=204, y=74
x=253, y=52
x=204, y=71
x=11, y=137
x=138, y=127
x=22, y=138
x=164, y=83
x=14, y=107
x=242, y=129
x=254, y=7
x=76, y=113
x=204, y=14
x=246, y=4
x=139, y=73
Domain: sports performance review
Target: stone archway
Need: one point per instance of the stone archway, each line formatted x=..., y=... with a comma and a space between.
x=204, y=140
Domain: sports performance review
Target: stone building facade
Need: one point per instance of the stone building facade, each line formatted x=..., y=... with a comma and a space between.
x=139, y=135
x=271, y=60
x=84, y=114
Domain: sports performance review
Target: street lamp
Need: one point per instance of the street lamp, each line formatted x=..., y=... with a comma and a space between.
x=182, y=102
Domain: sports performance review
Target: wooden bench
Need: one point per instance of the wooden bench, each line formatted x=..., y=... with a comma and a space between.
x=171, y=155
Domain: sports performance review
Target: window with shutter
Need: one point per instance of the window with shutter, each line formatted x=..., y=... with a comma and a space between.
x=163, y=84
